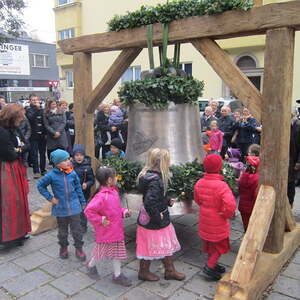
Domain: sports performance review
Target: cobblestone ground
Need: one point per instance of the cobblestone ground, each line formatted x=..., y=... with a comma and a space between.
x=34, y=271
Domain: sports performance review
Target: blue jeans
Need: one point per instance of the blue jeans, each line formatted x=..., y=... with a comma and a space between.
x=38, y=149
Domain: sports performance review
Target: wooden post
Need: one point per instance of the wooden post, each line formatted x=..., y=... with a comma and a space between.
x=276, y=120
x=253, y=241
x=84, y=123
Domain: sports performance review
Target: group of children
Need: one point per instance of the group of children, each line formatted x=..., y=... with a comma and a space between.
x=156, y=238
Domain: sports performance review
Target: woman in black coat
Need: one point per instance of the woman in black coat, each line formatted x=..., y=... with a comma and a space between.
x=14, y=210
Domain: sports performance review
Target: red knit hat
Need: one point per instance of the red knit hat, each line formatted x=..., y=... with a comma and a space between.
x=212, y=163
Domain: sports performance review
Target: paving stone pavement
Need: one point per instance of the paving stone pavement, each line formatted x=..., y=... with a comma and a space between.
x=34, y=271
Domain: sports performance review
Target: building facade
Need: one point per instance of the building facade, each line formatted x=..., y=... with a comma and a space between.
x=26, y=67
x=83, y=17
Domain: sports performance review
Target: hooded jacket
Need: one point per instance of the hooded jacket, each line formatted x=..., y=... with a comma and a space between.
x=248, y=189
x=216, y=205
x=106, y=203
x=66, y=188
x=85, y=173
x=155, y=202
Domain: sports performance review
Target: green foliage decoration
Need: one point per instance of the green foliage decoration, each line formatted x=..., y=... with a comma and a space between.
x=184, y=176
x=175, y=10
x=158, y=92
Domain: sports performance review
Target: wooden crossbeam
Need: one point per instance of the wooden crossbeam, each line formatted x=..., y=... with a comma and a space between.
x=229, y=24
x=120, y=65
x=276, y=111
x=256, y=234
x=234, y=78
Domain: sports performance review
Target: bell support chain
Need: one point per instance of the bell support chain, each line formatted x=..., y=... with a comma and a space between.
x=235, y=79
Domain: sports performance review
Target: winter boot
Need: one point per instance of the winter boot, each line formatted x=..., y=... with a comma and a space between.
x=170, y=271
x=92, y=272
x=211, y=273
x=220, y=269
x=63, y=252
x=144, y=271
x=122, y=280
x=80, y=254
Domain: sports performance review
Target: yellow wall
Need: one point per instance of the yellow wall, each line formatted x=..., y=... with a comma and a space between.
x=94, y=18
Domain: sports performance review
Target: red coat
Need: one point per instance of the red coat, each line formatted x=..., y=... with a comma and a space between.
x=248, y=188
x=217, y=205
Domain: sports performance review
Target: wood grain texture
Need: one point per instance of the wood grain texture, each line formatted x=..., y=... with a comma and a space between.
x=220, y=26
x=276, y=119
x=84, y=123
x=120, y=65
x=267, y=268
x=234, y=78
x=253, y=241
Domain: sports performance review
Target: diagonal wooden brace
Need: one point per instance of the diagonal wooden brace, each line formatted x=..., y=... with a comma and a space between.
x=120, y=65
x=234, y=78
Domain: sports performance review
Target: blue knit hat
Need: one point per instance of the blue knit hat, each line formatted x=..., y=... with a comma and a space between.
x=58, y=156
x=78, y=148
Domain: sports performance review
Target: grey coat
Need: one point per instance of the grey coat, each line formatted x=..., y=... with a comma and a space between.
x=56, y=123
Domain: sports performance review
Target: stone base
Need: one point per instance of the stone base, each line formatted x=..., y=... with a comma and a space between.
x=41, y=220
x=134, y=201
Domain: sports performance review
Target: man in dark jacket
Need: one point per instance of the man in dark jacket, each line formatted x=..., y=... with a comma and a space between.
x=294, y=162
x=206, y=118
x=38, y=136
x=226, y=125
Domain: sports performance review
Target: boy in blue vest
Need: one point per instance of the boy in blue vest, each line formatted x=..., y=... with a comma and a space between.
x=67, y=199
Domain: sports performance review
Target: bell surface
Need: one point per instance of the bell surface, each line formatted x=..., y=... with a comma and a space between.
x=176, y=128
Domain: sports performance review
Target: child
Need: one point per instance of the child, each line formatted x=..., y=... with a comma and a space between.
x=106, y=215
x=234, y=156
x=67, y=200
x=115, y=148
x=82, y=166
x=217, y=206
x=248, y=188
x=215, y=138
x=156, y=239
x=254, y=150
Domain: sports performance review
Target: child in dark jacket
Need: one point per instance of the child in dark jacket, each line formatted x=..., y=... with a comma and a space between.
x=83, y=167
x=248, y=188
x=216, y=206
x=67, y=199
x=156, y=239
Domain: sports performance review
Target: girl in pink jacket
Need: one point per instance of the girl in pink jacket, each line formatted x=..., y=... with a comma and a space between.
x=106, y=215
x=215, y=138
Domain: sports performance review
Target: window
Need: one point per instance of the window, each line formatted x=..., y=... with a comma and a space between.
x=40, y=60
x=63, y=2
x=187, y=67
x=246, y=62
x=131, y=74
x=66, y=34
x=69, y=79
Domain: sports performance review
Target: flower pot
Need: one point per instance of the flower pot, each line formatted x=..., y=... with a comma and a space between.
x=176, y=128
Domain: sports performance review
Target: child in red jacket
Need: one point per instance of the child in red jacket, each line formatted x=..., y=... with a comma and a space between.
x=217, y=206
x=248, y=188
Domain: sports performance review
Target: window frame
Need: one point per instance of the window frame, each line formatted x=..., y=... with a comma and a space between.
x=67, y=2
x=67, y=79
x=134, y=68
x=68, y=30
x=182, y=66
x=33, y=60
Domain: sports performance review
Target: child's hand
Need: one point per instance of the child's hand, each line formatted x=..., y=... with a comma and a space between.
x=84, y=186
x=54, y=200
x=128, y=214
x=105, y=222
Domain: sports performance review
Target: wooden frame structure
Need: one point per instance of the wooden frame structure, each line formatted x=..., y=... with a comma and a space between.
x=263, y=252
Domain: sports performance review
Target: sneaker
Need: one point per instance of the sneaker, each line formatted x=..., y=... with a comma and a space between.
x=63, y=253
x=80, y=254
x=122, y=280
x=92, y=272
x=212, y=273
x=220, y=269
x=36, y=175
